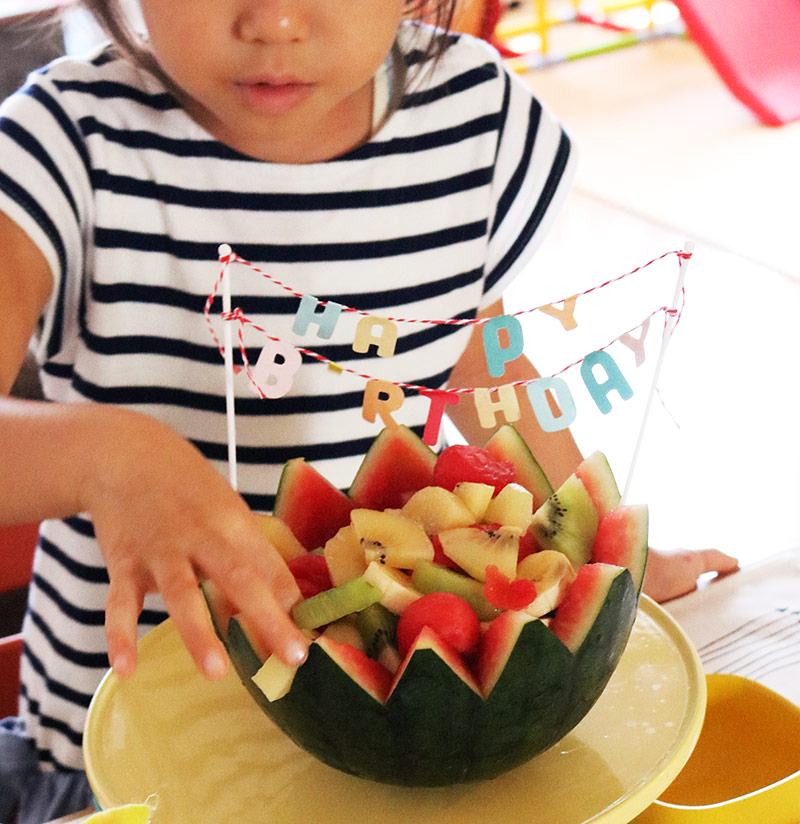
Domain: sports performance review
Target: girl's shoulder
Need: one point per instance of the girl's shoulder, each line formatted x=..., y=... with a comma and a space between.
x=462, y=52
x=98, y=76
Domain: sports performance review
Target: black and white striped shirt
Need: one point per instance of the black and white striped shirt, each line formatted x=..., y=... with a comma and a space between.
x=129, y=199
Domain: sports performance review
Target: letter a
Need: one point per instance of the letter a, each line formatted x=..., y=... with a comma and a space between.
x=326, y=320
x=365, y=336
x=276, y=367
x=615, y=380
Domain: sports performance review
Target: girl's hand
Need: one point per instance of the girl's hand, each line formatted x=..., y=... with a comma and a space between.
x=672, y=574
x=166, y=519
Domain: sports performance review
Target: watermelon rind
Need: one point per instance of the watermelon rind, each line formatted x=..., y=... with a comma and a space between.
x=436, y=729
x=524, y=714
x=433, y=712
x=622, y=539
x=506, y=444
x=397, y=464
x=297, y=713
x=598, y=655
x=596, y=475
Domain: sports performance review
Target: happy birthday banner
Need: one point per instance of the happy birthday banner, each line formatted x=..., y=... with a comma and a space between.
x=273, y=374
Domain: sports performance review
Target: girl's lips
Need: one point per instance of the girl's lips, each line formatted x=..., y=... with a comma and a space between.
x=274, y=97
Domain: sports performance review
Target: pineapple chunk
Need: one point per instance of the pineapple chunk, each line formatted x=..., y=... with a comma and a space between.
x=552, y=573
x=435, y=508
x=395, y=586
x=274, y=678
x=344, y=556
x=281, y=537
x=476, y=496
x=513, y=506
x=474, y=549
x=345, y=631
x=390, y=538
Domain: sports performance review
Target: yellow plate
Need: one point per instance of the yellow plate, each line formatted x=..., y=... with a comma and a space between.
x=206, y=753
x=746, y=765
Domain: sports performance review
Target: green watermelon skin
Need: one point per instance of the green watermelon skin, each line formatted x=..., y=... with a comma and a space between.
x=435, y=730
x=524, y=713
x=599, y=654
x=436, y=742
x=299, y=717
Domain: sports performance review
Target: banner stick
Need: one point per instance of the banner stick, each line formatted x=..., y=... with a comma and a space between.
x=669, y=326
x=225, y=252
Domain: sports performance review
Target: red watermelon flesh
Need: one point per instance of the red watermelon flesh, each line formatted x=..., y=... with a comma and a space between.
x=622, y=540
x=397, y=465
x=508, y=446
x=577, y=612
x=497, y=642
x=310, y=505
x=371, y=676
x=599, y=481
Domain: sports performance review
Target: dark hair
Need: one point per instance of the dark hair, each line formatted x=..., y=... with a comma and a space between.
x=114, y=21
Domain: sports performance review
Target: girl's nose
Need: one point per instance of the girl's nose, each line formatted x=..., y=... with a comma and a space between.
x=272, y=21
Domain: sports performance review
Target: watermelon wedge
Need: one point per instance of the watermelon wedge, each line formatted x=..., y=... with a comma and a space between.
x=397, y=465
x=310, y=505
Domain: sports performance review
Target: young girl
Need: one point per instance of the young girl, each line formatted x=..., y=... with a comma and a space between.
x=342, y=147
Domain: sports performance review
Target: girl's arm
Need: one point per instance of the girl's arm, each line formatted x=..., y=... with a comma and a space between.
x=555, y=451
x=163, y=516
x=669, y=574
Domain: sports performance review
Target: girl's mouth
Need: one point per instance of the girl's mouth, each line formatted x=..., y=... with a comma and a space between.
x=274, y=98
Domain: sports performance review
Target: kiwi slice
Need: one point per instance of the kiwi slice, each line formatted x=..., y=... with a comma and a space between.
x=332, y=604
x=567, y=522
x=377, y=627
x=429, y=577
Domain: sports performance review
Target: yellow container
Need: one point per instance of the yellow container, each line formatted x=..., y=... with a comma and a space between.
x=745, y=768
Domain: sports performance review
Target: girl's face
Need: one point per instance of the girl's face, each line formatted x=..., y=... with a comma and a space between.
x=288, y=81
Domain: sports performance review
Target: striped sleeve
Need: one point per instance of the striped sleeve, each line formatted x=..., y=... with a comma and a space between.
x=533, y=171
x=45, y=189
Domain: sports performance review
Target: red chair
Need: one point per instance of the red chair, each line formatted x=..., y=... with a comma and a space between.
x=17, y=545
x=10, y=653
x=753, y=45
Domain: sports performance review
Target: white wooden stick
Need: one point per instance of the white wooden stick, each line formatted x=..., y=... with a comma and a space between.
x=669, y=326
x=230, y=402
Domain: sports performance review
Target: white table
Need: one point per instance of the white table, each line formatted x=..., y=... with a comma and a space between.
x=749, y=623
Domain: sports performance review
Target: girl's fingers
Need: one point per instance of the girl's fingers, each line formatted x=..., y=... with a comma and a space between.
x=177, y=582
x=123, y=606
x=260, y=598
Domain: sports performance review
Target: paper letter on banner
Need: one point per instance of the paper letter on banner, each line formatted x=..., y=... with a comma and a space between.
x=636, y=344
x=565, y=316
x=276, y=367
x=497, y=356
x=506, y=403
x=615, y=380
x=307, y=313
x=381, y=398
x=537, y=392
x=439, y=399
x=365, y=336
